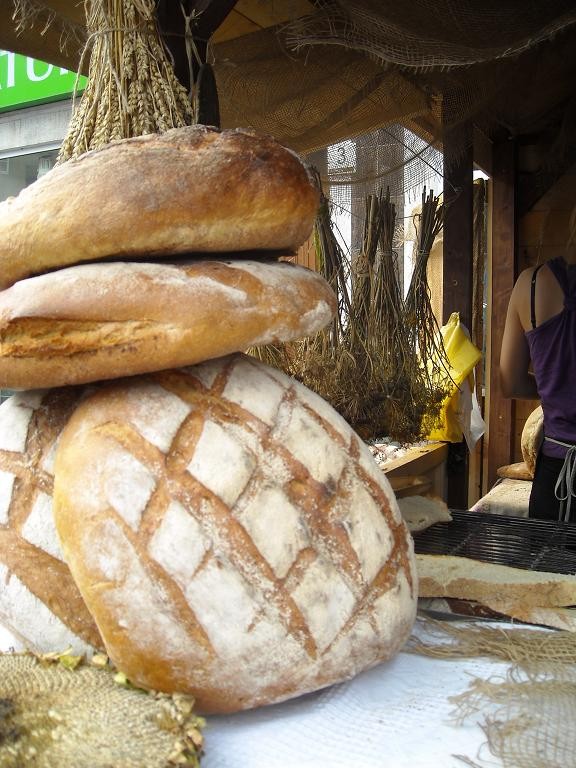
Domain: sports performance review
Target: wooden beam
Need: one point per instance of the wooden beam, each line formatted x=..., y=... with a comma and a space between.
x=457, y=273
x=533, y=186
x=503, y=272
x=482, y=151
x=458, y=224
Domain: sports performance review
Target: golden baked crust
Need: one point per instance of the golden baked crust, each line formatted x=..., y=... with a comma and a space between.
x=107, y=320
x=193, y=189
x=531, y=439
x=517, y=471
x=231, y=535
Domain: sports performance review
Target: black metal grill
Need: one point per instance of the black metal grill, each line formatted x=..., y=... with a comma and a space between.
x=518, y=542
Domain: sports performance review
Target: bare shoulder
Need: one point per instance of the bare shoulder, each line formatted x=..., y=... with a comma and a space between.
x=524, y=281
x=548, y=296
x=520, y=297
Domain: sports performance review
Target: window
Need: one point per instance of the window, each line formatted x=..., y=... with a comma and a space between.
x=17, y=172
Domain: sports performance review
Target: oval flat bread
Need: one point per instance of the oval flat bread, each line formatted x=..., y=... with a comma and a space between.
x=188, y=190
x=109, y=320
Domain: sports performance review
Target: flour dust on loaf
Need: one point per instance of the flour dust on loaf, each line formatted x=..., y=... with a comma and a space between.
x=231, y=535
x=39, y=601
x=188, y=190
x=103, y=321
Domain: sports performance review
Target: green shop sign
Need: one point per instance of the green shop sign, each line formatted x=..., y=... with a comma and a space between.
x=25, y=81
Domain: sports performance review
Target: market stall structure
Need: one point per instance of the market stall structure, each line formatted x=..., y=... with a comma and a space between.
x=495, y=97
x=328, y=73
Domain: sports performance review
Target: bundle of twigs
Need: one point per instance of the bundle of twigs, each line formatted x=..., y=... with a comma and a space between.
x=132, y=89
x=419, y=316
x=364, y=364
x=314, y=358
x=333, y=265
x=386, y=298
x=317, y=361
x=385, y=391
x=367, y=363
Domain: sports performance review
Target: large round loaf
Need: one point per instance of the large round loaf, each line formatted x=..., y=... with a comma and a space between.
x=104, y=321
x=193, y=189
x=39, y=601
x=231, y=535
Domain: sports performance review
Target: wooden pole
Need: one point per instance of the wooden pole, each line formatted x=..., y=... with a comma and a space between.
x=201, y=18
x=457, y=272
x=503, y=271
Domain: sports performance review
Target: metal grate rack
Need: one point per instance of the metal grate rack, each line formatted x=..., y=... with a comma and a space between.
x=518, y=542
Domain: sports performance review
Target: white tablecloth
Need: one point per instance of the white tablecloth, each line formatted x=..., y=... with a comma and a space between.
x=397, y=715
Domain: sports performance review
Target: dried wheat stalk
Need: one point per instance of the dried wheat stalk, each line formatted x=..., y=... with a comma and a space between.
x=132, y=89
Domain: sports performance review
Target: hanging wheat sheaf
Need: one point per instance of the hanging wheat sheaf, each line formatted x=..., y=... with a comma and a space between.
x=132, y=89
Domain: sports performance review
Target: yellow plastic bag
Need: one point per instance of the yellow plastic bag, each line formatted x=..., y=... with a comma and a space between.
x=462, y=356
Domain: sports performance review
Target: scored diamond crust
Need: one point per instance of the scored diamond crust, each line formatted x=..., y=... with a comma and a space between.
x=39, y=601
x=277, y=559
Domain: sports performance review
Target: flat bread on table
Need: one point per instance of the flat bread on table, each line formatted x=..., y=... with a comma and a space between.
x=421, y=511
x=468, y=579
x=517, y=471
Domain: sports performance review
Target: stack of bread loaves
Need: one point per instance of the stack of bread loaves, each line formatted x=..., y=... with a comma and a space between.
x=210, y=522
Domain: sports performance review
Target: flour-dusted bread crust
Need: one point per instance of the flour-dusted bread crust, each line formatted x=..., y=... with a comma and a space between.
x=39, y=601
x=193, y=189
x=421, y=512
x=467, y=579
x=231, y=535
x=531, y=439
x=104, y=321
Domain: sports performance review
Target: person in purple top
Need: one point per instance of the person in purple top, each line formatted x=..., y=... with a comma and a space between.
x=538, y=361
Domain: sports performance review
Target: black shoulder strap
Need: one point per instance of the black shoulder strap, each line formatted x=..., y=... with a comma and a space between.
x=532, y=296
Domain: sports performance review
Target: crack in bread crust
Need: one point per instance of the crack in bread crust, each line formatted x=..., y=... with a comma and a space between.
x=40, y=338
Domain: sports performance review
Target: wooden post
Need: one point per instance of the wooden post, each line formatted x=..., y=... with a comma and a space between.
x=457, y=273
x=205, y=16
x=458, y=224
x=500, y=410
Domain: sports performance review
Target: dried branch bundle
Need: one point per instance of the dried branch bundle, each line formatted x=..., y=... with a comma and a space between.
x=132, y=89
x=420, y=320
x=371, y=364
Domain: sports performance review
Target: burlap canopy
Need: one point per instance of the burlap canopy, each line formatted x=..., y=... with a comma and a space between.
x=313, y=74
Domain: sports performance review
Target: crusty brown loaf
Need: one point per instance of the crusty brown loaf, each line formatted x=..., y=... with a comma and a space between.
x=193, y=189
x=103, y=321
x=517, y=471
x=532, y=437
x=231, y=535
x=39, y=601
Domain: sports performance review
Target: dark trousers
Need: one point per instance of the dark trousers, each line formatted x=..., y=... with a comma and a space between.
x=543, y=502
